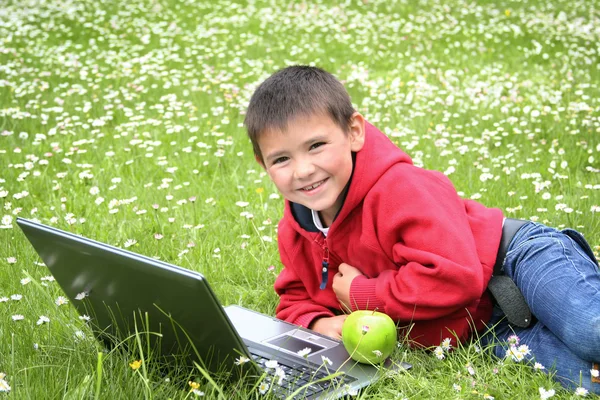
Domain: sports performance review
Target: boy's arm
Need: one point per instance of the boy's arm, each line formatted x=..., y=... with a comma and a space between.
x=425, y=224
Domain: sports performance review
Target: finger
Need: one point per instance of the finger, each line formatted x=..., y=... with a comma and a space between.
x=343, y=267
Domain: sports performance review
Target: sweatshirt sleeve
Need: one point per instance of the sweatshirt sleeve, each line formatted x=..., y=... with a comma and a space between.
x=421, y=224
x=295, y=304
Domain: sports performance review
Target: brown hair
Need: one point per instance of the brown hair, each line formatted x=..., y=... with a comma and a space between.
x=295, y=91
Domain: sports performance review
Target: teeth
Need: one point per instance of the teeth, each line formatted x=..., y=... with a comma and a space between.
x=313, y=186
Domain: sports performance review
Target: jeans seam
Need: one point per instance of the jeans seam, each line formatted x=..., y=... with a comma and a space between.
x=568, y=257
x=583, y=254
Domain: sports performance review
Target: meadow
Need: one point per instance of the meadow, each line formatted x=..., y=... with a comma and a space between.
x=123, y=122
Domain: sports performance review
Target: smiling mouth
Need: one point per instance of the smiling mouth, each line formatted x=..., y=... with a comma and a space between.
x=313, y=186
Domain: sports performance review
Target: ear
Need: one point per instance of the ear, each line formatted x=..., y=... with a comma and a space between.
x=357, y=132
x=258, y=160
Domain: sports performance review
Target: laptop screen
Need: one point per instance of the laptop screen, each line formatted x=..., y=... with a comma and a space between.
x=124, y=292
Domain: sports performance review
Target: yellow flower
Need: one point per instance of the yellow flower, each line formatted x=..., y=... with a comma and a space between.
x=136, y=364
x=194, y=385
x=259, y=190
x=507, y=12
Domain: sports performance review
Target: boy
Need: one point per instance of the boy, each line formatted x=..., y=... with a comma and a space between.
x=365, y=229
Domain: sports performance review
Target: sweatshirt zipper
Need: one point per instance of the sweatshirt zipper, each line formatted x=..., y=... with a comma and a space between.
x=324, y=265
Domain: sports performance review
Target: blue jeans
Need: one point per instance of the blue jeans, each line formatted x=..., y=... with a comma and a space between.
x=557, y=273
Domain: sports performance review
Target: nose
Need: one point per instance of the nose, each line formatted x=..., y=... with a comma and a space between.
x=304, y=168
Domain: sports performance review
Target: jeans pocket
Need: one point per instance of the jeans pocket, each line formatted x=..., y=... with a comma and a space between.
x=580, y=240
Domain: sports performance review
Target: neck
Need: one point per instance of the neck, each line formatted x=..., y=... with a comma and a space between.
x=326, y=219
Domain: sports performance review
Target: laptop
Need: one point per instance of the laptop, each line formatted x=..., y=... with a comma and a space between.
x=178, y=313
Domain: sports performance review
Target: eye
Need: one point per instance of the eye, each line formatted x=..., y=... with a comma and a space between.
x=280, y=160
x=316, y=145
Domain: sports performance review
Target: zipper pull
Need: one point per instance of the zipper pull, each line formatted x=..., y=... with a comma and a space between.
x=324, y=267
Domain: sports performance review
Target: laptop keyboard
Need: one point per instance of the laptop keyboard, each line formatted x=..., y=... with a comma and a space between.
x=301, y=376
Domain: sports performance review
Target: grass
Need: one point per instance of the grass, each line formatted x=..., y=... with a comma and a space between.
x=121, y=121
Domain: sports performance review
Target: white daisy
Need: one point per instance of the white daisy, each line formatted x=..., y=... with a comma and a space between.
x=61, y=300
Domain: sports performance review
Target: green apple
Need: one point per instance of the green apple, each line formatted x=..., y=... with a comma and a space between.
x=369, y=336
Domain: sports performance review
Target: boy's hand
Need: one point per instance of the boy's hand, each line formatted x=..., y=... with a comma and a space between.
x=330, y=326
x=342, y=282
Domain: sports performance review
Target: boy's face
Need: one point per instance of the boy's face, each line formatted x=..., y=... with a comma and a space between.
x=311, y=162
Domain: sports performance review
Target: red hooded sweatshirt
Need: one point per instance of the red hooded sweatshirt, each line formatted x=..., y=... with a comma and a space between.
x=426, y=254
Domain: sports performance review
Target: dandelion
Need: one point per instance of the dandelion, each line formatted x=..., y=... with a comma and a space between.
x=326, y=360
x=304, y=352
x=17, y=317
x=546, y=394
x=135, y=364
x=263, y=388
x=85, y=317
x=25, y=281
x=242, y=204
x=16, y=297
x=439, y=353
x=61, y=300
x=80, y=296
x=43, y=319
x=241, y=360
x=595, y=373
x=4, y=299
x=194, y=385
x=197, y=392
x=582, y=392
x=271, y=364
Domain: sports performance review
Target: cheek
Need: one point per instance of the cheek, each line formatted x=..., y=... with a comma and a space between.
x=342, y=166
x=279, y=177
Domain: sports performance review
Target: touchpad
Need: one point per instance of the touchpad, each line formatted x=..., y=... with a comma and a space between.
x=293, y=344
x=297, y=340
